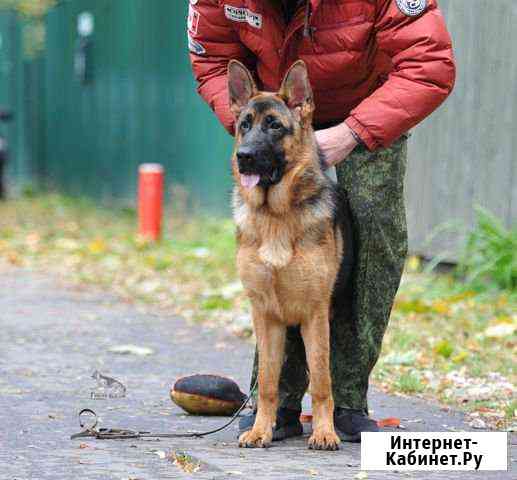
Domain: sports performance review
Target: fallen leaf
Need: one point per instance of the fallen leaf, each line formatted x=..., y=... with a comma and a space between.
x=97, y=246
x=305, y=418
x=444, y=349
x=477, y=423
x=67, y=244
x=201, y=252
x=460, y=357
x=131, y=350
x=185, y=462
x=399, y=358
x=389, y=422
x=501, y=330
x=413, y=306
x=413, y=263
x=416, y=420
x=361, y=476
x=441, y=307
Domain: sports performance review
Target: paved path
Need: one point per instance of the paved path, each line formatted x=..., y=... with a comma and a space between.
x=53, y=336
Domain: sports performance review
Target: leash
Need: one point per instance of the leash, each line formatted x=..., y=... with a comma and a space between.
x=91, y=430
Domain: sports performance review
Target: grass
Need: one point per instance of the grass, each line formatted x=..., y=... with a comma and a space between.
x=409, y=382
x=449, y=339
x=489, y=257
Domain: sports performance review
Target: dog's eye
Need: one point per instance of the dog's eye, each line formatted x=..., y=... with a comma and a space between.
x=272, y=123
x=245, y=125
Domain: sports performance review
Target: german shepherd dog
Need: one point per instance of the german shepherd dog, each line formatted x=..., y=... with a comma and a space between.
x=291, y=239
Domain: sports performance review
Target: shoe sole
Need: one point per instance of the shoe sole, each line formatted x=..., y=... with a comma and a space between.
x=347, y=437
x=282, y=433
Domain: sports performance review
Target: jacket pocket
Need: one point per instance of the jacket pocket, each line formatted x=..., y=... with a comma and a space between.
x=344, y=23
x=351, y=34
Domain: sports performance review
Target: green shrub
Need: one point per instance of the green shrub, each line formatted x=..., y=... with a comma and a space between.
x=489, y=256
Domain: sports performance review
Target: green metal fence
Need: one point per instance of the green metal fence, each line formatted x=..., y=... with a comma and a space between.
x=22, y=92
x=13, y=67
x=139, y=104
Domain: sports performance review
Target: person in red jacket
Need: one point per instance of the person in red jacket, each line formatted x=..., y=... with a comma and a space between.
x=377, y=69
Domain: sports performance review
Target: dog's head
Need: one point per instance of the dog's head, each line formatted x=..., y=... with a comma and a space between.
x=268, y=126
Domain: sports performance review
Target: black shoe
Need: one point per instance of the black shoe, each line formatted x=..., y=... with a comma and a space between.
x=349, y=424
x=287, y=424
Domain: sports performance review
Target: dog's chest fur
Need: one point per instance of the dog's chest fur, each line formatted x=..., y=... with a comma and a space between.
x=293, y=256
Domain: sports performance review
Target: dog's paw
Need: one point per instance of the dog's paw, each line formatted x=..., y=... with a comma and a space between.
x=324, y=440
x=255, y=439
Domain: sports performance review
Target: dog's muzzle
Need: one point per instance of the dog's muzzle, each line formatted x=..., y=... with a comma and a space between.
x=256, y=169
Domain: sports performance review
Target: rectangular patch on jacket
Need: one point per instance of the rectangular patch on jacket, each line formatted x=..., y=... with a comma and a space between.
x=192, y=19
x=194, y=46
x=237, y=14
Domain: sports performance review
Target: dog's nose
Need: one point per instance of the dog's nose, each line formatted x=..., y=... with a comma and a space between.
x=245, y=156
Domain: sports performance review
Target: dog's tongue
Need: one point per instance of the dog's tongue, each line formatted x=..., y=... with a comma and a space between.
x=249, y=181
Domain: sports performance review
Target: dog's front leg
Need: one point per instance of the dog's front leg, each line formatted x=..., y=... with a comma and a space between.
x=316, y=337
x=270, y=335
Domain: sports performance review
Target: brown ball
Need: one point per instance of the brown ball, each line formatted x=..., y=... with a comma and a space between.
x=207, y=395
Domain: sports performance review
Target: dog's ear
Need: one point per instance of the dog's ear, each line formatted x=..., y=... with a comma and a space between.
x=240, y=85
x=296, y=89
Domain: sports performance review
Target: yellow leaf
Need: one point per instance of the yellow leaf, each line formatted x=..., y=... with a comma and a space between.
x=97, y=246
x=412, y=306
x=460, y=357
x=504, y=319
x=413, y=263
x=502, y=301
x=444, y=349
x=441, y=307
x=461, y=296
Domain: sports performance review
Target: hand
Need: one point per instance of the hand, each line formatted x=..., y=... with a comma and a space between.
x=336, y=143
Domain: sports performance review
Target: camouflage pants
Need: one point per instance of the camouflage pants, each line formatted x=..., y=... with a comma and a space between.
x=373, y=183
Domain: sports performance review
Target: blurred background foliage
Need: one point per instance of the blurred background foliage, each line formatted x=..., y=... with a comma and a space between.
x=33, y=31
x=29, y=8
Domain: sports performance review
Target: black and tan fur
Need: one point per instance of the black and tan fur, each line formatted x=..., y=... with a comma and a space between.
x=291, y=239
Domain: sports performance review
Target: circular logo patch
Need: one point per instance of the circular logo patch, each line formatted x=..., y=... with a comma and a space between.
x=412, y=8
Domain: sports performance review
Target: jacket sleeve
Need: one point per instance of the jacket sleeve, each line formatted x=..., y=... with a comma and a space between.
x=212, y=43
x=422, y=75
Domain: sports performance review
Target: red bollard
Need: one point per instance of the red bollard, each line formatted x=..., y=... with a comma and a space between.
x=150, y=200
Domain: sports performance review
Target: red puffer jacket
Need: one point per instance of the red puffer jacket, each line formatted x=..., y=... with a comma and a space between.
x=383, y=65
